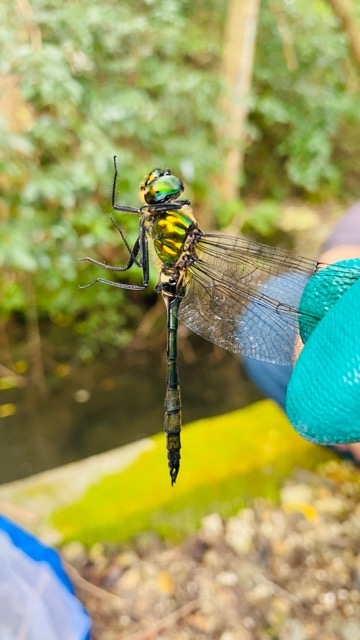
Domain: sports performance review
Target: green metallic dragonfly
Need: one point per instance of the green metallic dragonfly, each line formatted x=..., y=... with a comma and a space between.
x=238, y=294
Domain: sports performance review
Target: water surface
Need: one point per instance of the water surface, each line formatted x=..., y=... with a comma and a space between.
x=124, y=399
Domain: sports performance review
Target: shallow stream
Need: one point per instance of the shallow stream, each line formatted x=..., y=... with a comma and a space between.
x=109, y=403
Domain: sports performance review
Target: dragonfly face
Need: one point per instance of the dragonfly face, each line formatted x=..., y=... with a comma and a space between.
x=240, y=295
x=160, y=186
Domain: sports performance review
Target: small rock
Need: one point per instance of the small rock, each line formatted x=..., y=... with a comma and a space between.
x=97, y=551
x=212, y=528
x=213, y=561
x=298, y=493
x=329, y=600
x=227, y=578
x=350, y=630
x=239, y=634
x=240, y=532
x=165, y=582
x=202, y=623
x=126, y=559
x=292, y=629
x=97, y=554
x=260, y=593
x=75, y=553
x=130, y=580
x=330, y=505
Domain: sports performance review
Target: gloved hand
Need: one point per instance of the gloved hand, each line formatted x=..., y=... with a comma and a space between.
x=323, y=395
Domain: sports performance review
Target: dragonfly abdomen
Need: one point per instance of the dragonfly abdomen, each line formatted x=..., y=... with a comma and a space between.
x=172, y=428
x=172, y=418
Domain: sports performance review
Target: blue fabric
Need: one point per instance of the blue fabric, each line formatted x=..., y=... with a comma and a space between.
x=39, y=552
x=36, y=550
x=271, y=379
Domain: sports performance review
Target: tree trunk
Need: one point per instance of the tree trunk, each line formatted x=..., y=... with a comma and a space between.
x=236, y=72
x=343, y=11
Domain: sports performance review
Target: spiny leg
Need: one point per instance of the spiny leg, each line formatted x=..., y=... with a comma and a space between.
x=132, y=251
x=119, y=285
x=140, y=246
x=131, y=260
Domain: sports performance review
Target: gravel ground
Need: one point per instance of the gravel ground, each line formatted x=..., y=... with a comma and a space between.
x=273, y=572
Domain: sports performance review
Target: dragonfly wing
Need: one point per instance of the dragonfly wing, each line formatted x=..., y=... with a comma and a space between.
x=245, y=296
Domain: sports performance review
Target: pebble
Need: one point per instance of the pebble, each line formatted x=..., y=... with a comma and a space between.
x=240, y=532
x=227, y=578
x=75, y=553
x=268, y=572
x=212, y=528
x=129, y=581
x=330, y=505
x=293, y=629
x=235, y=635
x=350, y=630
x=296, y=493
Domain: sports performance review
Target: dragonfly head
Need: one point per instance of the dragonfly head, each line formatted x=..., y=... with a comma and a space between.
x=160, y=186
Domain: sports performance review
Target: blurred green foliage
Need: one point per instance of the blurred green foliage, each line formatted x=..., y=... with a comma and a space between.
x=304, y=124
x=141, y=79
x=132, y=78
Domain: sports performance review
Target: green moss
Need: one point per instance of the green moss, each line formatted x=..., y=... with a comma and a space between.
x=227, y=460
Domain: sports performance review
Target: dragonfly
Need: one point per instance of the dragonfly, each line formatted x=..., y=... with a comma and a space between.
x=241, y=295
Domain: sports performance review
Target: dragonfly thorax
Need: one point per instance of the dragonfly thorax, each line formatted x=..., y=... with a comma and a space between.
x=169, y=231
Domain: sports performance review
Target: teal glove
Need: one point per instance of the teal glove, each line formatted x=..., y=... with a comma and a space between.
x=323, y=395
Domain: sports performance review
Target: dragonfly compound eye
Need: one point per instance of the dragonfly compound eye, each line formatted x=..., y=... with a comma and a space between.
x=160, y=186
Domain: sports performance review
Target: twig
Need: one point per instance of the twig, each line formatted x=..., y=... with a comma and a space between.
x=149, y=319
x=279, y=590
x=345, y=13
x=165, y=622
x=84, y=585
x=285, y=35
x=34, y=31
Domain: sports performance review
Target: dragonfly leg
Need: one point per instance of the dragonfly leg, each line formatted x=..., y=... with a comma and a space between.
x=119, y=285
x=115, y=206
x=131, y=260
x=132, y=251
x=140, y=246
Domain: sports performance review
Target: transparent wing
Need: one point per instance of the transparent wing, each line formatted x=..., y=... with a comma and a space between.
x=245, y=297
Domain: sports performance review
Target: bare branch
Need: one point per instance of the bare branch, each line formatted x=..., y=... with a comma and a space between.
x=343, y=11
